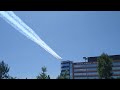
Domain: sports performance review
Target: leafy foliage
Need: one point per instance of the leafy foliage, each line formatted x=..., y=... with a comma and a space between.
x=104, y=66
x=4, y=69
x=63, y=75
x=43, y=75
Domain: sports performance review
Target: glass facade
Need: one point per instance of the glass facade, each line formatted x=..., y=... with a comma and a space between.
x=91, y=69
x=115, y=68
x=116, y=72
x=64, y=65
x=65, y=68
x=84, y=70
x=76, y=74
x=93, y=77
x=80, y=77
x=67, y=65
x=79, y=70
x=116, y=63
x=86, y=78
x=92, y=73
x=92, y=65
x=86, y=73
x=116, y=76
x=79, y=66
x=84, y=66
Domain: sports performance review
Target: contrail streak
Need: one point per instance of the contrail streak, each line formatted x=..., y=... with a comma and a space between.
x=19, y=25
x=22, y=23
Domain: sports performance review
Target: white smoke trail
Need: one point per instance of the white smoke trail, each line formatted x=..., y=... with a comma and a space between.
x=22, y=23
x=12, y=22
x=19, y=25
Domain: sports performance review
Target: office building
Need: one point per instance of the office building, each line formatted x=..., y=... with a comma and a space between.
x=88, y=69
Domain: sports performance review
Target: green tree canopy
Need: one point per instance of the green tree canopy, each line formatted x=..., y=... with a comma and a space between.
x=43, y=74
x=63, y=75
x=4, y=69
x=104, y=66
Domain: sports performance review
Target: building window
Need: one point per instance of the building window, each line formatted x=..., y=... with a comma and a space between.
x=116, y=72
x=116, y=63
x=78, y=70
x=87, y=65
x=65, y=64
x=93, y=77
x=92, y=73
x=90, y=69
x=80, y=77
x=65, y=68
x=79, y=74
x=115, y=68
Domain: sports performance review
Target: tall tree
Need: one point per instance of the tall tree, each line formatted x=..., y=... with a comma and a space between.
x=4, y=69
x=43, y=75
x=104, y=66
x=63, y=75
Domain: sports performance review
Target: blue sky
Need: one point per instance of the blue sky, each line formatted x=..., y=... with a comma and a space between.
x=71, y=34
